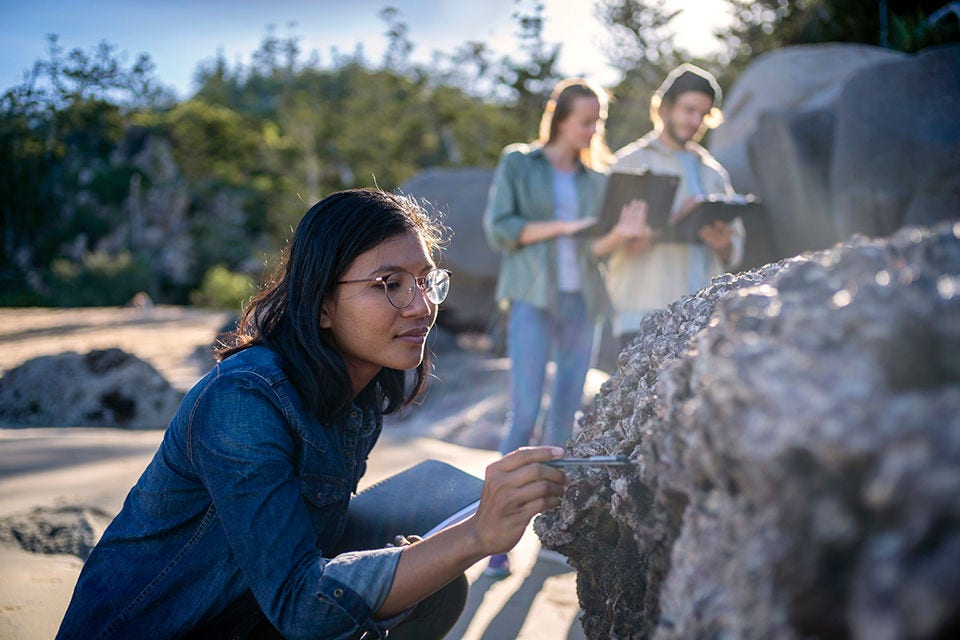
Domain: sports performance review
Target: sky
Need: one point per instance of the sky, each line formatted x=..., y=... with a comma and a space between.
x=180, y=34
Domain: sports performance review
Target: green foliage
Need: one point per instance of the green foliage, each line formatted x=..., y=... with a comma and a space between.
x=223, y=289
x=58, y=132
x=143, y=192
x=213, y=143
x=98, y=280
x=641, y=45
x=904, y=25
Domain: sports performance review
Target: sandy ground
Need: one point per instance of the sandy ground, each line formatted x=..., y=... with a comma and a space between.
x=96, y=467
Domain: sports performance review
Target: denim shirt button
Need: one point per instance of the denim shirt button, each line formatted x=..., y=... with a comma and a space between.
x=338, y=593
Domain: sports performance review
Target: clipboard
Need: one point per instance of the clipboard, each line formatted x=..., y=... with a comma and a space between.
x=658, y=190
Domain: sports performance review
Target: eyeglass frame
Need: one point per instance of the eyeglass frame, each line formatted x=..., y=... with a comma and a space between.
x=419, y=281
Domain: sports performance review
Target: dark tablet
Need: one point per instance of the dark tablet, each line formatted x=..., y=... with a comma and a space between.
x=714, y=207
x=658, y=190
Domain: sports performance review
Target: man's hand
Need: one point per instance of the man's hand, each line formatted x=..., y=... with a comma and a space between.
x=632, y=223
x=691, y=203
x=717, y=236
x=631, y=231
x=516, y=488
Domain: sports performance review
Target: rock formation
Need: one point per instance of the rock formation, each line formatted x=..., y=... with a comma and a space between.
x=461, y=195
x=62, y=529
x=839, y=139
x=108, y=388
x=796, y=434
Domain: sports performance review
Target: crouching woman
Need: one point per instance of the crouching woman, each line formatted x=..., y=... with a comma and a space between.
x=227, y=533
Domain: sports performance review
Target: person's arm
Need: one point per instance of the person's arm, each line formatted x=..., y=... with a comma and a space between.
x=726, y=240
x=502, y=221
x=505, y=225
x=515, y=489
x=244, y=450
x=547, y=229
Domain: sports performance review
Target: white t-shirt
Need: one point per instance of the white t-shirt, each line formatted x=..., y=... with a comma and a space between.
x=565, y=208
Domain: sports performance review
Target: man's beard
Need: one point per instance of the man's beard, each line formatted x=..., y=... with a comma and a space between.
x=672, y=132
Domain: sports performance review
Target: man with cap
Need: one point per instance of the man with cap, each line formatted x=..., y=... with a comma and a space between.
x=645, y=269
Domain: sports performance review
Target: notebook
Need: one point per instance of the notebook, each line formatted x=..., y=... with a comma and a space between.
x=421, y=500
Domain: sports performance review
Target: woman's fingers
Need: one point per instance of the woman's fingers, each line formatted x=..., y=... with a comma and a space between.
x=524, y=456
x=516, y=488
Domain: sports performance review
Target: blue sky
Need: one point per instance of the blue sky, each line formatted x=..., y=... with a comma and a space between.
x=179, y=34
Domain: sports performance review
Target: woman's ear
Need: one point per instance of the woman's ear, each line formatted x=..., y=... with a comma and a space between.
x=325, y=321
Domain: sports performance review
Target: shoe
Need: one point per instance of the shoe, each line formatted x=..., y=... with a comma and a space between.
x=498, y=567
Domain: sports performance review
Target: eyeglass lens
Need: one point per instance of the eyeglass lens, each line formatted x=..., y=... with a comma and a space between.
x=402, y=287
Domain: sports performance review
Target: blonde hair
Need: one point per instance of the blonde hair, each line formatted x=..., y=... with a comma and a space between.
x=559, y=107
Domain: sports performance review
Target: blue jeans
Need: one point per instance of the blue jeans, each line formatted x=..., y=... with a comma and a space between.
x=533, y=336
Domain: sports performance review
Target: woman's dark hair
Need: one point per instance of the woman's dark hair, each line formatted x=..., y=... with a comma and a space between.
x=285, y=315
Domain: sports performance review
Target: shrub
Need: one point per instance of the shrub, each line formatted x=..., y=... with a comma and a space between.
x=99, y=280
x=223, y=289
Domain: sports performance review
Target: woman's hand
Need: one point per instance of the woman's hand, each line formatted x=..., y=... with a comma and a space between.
x=404, y=541
x=516, y=488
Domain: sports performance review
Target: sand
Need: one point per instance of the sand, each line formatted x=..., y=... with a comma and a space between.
x=94, y=468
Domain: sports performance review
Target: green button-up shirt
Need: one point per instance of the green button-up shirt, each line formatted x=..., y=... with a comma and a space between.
x=522, y=192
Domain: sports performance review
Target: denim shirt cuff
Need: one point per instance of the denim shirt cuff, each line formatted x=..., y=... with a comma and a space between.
x=369, y=573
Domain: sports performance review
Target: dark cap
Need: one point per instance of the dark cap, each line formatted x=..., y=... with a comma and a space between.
x=689, y=77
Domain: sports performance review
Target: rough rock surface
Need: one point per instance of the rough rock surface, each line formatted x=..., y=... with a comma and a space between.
x=105, y=388
x=838, y=139
x=67, y=529
x=910, y=174
x=796, y=433
x=791, y=79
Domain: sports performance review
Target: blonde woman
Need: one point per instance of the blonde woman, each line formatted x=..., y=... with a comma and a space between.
x=543, y=201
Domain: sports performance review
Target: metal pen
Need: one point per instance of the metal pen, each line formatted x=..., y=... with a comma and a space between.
x=592, y=461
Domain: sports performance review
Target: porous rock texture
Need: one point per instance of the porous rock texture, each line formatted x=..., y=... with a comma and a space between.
x=103, y=388
x=62, y=529
x=796, y=434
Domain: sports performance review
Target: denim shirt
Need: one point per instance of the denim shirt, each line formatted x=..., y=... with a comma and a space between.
x=246, y=491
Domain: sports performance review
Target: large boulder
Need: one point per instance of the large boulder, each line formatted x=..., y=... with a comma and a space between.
x=796, y=434
x=841, y=138
x=108, y=388
x=461, y=195
x=61, y=529
x=897, y=161
x=791, y=79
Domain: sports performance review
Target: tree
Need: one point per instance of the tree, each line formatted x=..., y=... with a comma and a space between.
x=531, y=78
x=57, y=130
x=759, y=26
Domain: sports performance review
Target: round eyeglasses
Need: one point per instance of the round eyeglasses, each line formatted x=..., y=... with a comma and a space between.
x=401, y=286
